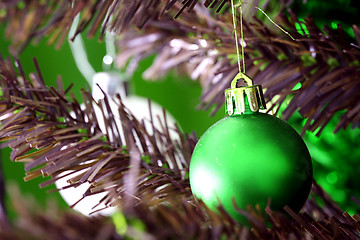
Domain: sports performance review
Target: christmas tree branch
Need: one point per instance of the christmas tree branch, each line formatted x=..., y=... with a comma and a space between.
x=324, y=62
x=31, y=20
x=40, y=222
x=144, y=173
x=4, y=222
x=183, y=219
x=53, y=135
x=320, y=68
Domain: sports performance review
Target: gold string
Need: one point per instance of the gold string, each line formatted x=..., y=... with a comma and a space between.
x=242, y=38
x=233, y=8
x=235, y=33
x=273, y=22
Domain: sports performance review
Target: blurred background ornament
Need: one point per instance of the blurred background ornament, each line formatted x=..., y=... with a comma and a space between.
x=111, y=82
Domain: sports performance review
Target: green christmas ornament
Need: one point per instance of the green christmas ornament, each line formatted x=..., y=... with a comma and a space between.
x=250, y=157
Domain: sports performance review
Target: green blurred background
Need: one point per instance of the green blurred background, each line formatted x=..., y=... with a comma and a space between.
x=335, y=156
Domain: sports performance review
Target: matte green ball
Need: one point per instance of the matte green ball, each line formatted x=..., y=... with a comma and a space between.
x=251, y=158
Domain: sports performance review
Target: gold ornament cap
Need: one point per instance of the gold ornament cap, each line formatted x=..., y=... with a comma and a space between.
x=240, y=99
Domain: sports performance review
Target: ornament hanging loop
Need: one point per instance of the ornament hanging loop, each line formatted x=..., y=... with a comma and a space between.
x=239, y=100
x=241, y=76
